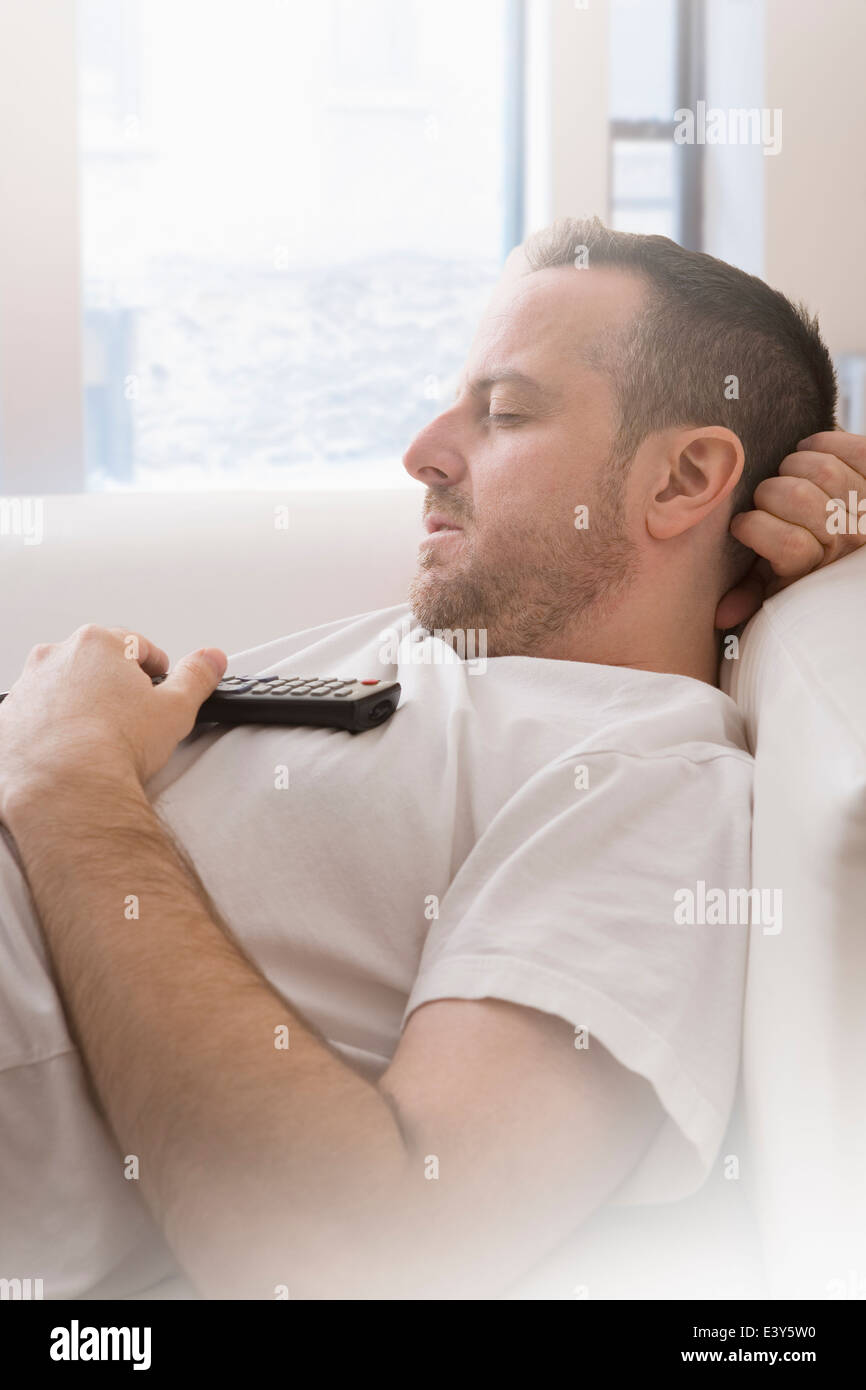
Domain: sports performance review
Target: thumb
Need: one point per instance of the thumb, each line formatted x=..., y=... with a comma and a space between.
x=745, y=598
x=737, y=606
x=198, y=674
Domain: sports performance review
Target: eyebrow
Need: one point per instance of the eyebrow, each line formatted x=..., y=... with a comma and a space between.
x=512, y=378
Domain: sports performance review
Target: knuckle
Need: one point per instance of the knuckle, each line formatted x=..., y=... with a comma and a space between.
x=40, y=651
x=797, y=553
x=88, y=632
x=826, y=476
x=800, y=492
x=764, y=492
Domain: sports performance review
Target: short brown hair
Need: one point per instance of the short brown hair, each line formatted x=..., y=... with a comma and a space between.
x=705, y=322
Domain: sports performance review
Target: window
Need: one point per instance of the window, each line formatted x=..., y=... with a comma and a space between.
x=291, y=215
x=656, y=66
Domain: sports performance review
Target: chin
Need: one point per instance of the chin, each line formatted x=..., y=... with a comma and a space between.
x=445, y=602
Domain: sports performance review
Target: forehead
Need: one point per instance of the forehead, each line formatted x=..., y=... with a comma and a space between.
x=548, y=323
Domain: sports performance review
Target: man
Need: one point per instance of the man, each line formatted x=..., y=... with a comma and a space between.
x=398, y=1028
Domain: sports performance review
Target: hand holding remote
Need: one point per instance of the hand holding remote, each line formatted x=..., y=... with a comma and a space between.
x=85, y=714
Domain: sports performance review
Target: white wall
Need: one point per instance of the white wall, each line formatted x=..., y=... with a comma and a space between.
x=567, y=111
x=40, y=315
x=815, y=194
x=734, y=174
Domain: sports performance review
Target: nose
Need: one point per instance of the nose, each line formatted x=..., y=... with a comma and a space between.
x=434, y=456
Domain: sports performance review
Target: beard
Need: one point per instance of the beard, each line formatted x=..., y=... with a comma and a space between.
x=533, y=583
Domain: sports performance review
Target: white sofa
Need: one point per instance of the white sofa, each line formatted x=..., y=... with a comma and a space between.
x=192, y=570
x=801, y=682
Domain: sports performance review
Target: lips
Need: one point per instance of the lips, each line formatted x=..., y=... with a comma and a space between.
x=436, y=522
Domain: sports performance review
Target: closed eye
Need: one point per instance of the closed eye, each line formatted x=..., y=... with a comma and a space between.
x=502, y=418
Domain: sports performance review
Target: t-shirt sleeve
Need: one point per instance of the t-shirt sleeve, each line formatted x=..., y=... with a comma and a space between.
x=577, y=901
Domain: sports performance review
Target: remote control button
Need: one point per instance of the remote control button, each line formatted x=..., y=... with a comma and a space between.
x=242, y=686
x=268, y=678
x=260, y=688
x=341, y=694
x=348, y=680
x=369, y=682
x=301, y=690
x=321, y=690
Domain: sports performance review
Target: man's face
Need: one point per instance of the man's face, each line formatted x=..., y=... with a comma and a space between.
x=526, y=442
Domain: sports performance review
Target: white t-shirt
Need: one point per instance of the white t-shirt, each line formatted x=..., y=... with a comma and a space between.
x=548, y=811
x=518, y=829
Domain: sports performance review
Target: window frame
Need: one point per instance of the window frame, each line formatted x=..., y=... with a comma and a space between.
x=690, y=28
x=42, y=368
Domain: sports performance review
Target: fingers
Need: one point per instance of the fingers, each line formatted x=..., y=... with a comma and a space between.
x=739, y=603
x=850, y=448
x=196, y=676
x=797, y=500
x=837, y=481
x=151, y=658
x=791, y=550
x=790, y=527
x=835, y=478
x=845, y=522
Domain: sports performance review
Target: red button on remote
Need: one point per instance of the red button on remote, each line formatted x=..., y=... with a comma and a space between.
x=369, y=682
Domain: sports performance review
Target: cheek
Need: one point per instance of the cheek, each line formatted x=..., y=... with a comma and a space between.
x=537, y=492
x=516, y=470
x=527, y=489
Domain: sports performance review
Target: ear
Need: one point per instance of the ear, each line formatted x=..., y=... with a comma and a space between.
x=698, y=469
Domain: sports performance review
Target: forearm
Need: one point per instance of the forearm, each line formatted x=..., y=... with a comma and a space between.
x=254, y=1157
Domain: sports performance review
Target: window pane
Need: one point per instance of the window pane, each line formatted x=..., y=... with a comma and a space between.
x=292, y=214
x=646, y=221
x=642, y=59
x=643, y=170
x=644, y=193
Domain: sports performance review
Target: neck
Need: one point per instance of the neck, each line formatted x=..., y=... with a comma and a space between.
x=670, y=633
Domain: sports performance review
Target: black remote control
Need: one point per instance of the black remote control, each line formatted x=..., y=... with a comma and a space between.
x=331, y=702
